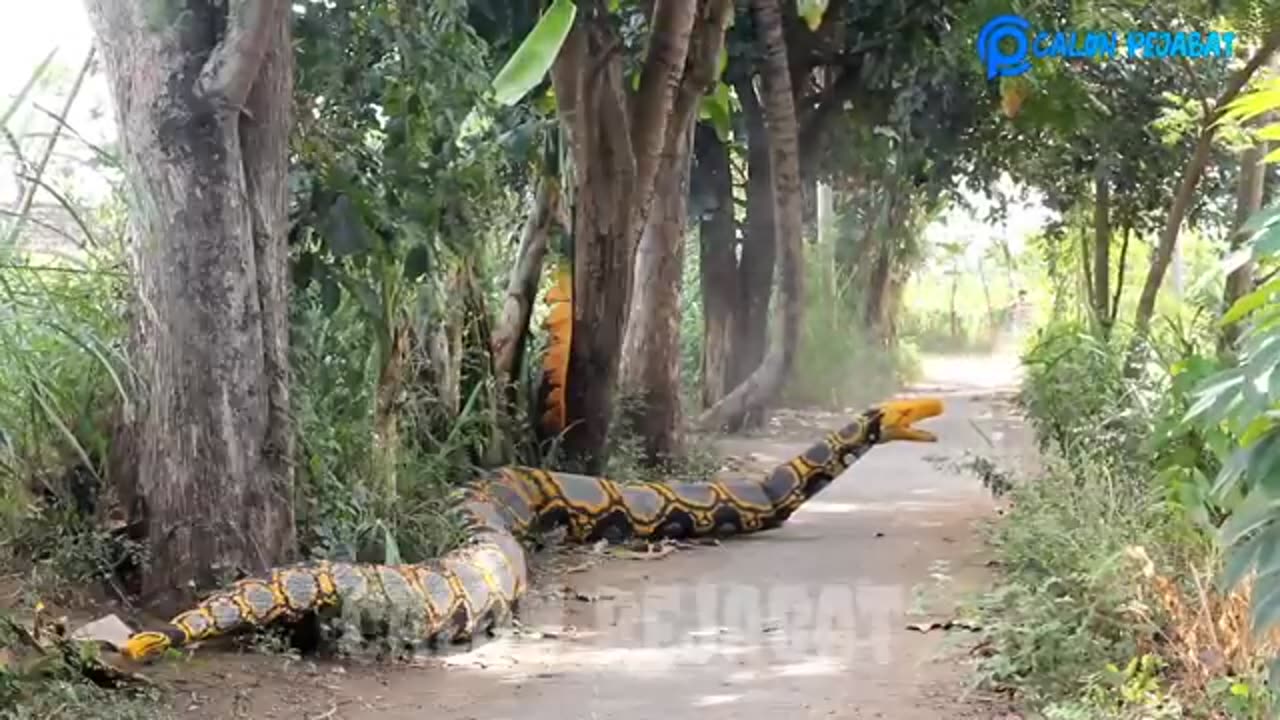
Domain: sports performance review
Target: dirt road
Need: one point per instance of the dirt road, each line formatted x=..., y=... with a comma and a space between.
x=809, y=621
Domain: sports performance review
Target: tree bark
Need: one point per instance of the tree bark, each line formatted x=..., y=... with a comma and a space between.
x=1248, y=201
x=650, y=369
x=758, y=258
x=1102, y=247
x=1086, y=274
x=878, y=282
x=203, y=105
x=615, y=146
x=522, y=283
x=878, y=258
x=1187, y=186
x=1122, y=270
x=650, y=372
x=780, y=114
x=717, y=264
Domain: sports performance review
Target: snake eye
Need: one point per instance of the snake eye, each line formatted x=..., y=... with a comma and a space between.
x=848, y=458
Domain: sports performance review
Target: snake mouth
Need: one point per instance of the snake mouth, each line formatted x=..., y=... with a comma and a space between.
x=899, y=417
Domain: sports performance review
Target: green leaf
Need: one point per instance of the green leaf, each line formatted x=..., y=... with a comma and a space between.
x=344, y=230
x=812, y=12
x=1258, y=513
x=391, y=548
x=1265, y=603
x=1260, y=219
x=1242, y=558
x=1265, y=243
x=535, y=56
x=1253, y=104
x=1250, y=302
x=330, y=294
x=1216, y=397
x=717, y=111
x=1270, y=132
x=367, y=296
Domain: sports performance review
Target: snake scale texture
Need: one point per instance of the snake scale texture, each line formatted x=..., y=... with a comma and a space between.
x=476, y=587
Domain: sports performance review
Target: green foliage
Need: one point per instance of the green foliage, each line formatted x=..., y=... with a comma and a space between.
x=531, y=61
x=1072, y=114
x=1241, y=400
x=1237, y=405
x=1068, y=624
x=1136, y=692
x=62, y=371
x=401, y=196
x=343, y=512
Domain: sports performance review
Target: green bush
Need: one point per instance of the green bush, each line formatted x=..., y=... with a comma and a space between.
x=1069, y=608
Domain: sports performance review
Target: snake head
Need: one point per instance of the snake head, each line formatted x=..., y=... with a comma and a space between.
x=898, y=416
x=146, y=645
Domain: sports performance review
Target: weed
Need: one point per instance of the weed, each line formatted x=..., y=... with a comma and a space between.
x=1104, y=606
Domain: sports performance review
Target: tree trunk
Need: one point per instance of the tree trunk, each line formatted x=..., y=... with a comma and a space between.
x=717, y=264
x=615, y=142
x=757, y=261
x=1122, y=269
x=877, y=281
x=879, y=257
x=1102, y=248
x=203, y=106
x=651, y=347
x=1187, y=187
x=522, y=283
x=1248, y=201
x=780, y=114
x=992, y=321
x=1086, y=274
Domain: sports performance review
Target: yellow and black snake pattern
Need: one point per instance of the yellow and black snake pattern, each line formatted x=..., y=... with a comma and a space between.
x=476, y=587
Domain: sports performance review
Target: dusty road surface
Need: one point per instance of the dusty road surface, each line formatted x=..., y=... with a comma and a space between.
x=808, y=621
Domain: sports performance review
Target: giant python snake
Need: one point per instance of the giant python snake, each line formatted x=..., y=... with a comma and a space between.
x=476, y=587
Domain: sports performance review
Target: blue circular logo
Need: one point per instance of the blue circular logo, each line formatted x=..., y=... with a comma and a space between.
x=998, y=62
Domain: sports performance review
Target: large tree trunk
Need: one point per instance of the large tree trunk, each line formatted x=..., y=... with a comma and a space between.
x=203, y=106
x=717, y=264
x=616, y=141
x=780, y=114
x=1248, y=201
x=651, y=347
x=1185, y=194
x=757, y=262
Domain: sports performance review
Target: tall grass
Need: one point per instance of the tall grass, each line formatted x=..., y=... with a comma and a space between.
x=1104, y=606
x=62, y=369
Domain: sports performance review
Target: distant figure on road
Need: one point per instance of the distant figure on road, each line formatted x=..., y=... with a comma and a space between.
x=1020, y=318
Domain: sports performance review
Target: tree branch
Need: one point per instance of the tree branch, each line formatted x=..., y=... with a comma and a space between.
x=228, y=74
x=1182, y=200
x=660, y=77
x=705, y=43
